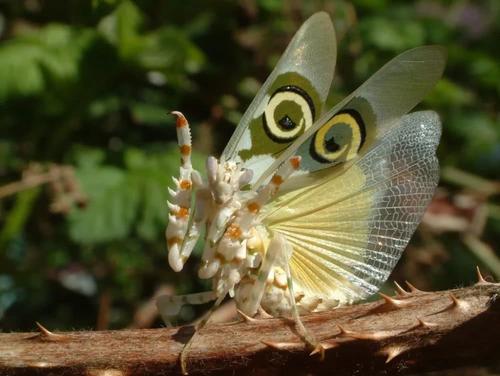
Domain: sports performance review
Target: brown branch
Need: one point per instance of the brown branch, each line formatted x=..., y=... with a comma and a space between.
x=416, y=332
x=65, y=189
x=24, y=184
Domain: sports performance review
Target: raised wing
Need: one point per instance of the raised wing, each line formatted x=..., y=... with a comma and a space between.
x=290, y=100
x=352, y=126
x=349, y=229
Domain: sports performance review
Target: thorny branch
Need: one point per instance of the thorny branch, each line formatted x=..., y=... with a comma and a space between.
x=64, y=187
x=412, y=332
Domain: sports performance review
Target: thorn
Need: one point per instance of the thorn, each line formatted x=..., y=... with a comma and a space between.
x=263, y=314
x=392, y=352
x=426, y=324
x=44, y=331
x=393, y=303
x=375, y=336
x=284, y=345
x=327, y=346
x=413, y=289
x=319, y=349
x=245, y=317
x=457, y=303
x=480, y=278
x=342, y=332
x=420, y=324
x=400, y=291
x=47, y=335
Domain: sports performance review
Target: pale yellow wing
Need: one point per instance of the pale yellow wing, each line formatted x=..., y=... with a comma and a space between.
x=349, y=228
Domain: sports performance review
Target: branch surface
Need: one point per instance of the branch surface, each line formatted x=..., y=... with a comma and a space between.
x=415, y=332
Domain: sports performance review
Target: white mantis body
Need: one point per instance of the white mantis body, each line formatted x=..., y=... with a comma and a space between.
x=307, y=210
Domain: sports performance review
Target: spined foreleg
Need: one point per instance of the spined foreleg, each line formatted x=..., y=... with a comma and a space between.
x=179, y=245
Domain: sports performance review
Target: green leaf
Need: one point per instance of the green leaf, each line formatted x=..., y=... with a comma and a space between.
x=486, y=70
x=479, y=137
x=104, y=106
x=87, y=158
x=98, y=3
x=121, y=28
x=271, y=5
x=447, y=92
x=111, y=209
x=148, y=113
x=122, y=201
x=20, y=73
x=52, y=54
x=150, y=174
x=18, y=215
x=169, y=48
x=392, y=35
x=154, y=211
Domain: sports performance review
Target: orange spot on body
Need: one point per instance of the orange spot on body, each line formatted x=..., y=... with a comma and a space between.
x=185, y=184
x=173, y=240
x=236, y=262
x=182, y=213
x=185, y=149
x=220, y=258
x=234, y=231
x=295, y=162
x=253, y=207
x=277, y=180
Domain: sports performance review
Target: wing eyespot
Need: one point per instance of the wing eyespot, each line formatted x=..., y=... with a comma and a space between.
x=340, y=139
x=289, y=112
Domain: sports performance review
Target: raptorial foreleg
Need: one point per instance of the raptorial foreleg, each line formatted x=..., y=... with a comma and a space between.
x=180, y=199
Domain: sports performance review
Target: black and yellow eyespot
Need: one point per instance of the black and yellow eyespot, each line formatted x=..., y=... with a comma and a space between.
x=289, y=112
x=340, y=139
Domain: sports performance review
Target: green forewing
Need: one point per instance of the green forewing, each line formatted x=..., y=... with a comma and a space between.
x=263, y=140
x=290, y=100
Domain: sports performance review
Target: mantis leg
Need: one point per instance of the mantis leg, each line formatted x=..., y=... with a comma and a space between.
x=200, y=325
x=301, y=329
x=170, y=305
x=251, y=306
x=180, y=197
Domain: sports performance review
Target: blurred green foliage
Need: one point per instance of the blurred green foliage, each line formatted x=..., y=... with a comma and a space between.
x=89, y=84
